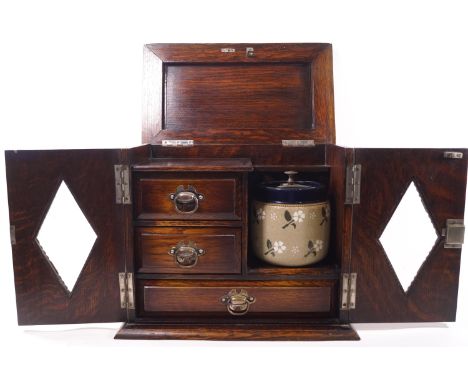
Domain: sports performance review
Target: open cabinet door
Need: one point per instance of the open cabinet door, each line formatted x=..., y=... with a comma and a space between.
x=33, y=180
x=440, y=178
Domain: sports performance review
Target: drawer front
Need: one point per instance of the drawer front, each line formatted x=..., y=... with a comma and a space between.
x=189, y=250
x=192, y=196
x=227, y=298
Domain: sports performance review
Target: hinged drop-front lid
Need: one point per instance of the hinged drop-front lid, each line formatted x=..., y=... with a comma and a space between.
x=238, y=93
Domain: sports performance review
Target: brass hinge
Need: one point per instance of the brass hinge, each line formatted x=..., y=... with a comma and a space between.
x=122, y=184
x=454, y=233
x=127, y=299
x=12, y=235
x=177, y=142
x=348, y=291
x=353, y=184
x=298, y=143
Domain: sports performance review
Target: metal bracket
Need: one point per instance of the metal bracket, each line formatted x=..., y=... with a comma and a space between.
x=249, y=52
x=353, y=184
x=127, y=299
x=12, y=235
x=453, y=155
x=177, y=142
x=122, y=184
x=298, y=142
x=348, y=291
x=454, y=233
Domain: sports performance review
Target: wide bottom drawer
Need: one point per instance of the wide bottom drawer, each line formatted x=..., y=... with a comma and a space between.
x=235, y=298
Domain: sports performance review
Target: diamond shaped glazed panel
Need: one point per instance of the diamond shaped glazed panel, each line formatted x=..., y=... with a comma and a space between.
x=408, y=237
x=66, y=236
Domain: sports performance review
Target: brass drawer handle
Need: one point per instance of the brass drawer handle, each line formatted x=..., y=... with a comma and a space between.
x=186, y=255
x=186, y=201
x=237, y=303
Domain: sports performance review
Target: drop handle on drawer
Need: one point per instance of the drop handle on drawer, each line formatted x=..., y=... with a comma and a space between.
x=186, y=255
x=237, y=302
x=186, y=201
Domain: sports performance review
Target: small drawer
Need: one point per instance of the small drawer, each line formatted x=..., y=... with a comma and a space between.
x=237, y=298
x=188, y=250
x=189, y=196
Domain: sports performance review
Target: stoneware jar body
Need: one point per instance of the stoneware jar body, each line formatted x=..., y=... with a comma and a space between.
x=291, y=235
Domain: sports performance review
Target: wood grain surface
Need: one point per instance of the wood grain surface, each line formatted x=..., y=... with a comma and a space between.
x=205, y=93
x=33, y=178
x=192, y=297
x=221, y=246
x=385, y=176
x=222, y=195
x=239, y=332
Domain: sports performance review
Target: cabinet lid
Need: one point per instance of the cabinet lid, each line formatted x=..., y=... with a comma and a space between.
x=238, y=93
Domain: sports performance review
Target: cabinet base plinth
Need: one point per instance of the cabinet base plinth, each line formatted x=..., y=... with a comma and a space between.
x=239, y=332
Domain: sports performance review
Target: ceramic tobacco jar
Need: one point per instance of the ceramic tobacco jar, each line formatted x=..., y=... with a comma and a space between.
x=290, y=225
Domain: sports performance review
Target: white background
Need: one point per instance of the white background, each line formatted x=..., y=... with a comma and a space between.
x=70, y=77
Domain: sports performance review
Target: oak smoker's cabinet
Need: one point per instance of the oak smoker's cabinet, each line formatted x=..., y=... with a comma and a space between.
x=218, y=119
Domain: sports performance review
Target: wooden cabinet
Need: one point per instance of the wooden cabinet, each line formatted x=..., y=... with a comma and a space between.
x=173, y=257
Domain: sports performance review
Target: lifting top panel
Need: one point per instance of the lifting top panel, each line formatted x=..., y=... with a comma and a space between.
x=238, y=93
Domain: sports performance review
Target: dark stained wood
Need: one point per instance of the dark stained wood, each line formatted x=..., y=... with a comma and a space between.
x=262, y=155
x=128, y=157
x=245, y=224
x=196, y=91
x=386, y=174
x=238, y=332
x=207, y=53
x=240, y=97
x=327, y=269
x=222, y=249
x=195, y=164
x=183, y=223
x=152, y=112
x=222, y=195
x=341, y=223
x=323, y=102
x=33, y=179
x=204, y=296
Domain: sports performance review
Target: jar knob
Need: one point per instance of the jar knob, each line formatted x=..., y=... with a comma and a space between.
x=290, y=175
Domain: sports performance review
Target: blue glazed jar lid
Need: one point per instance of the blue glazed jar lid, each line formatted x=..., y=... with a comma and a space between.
x=291, y=191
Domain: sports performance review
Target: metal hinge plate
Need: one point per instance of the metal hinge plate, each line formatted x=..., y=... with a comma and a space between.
x=353, y=184
x=348, y=291
x=12, y=235
x=453, y=155
x=122, y=184
x=127, y=299
x=177, y=142
x=298, y=142
x=454, y=233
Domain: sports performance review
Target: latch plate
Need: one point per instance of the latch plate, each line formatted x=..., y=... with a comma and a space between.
x=298, y=142
x=127, y=300
x=348, y=291
x=177, y=142
x=454, y=233
x=122, y=184
x=249, y=52
x=353, y=184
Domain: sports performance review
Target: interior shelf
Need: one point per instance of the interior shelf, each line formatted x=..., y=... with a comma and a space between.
x=325, y=269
